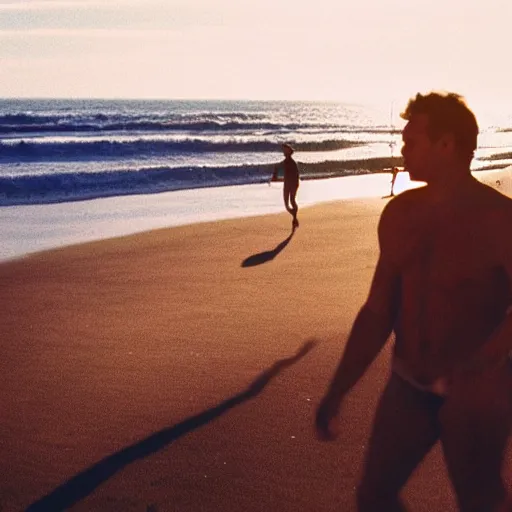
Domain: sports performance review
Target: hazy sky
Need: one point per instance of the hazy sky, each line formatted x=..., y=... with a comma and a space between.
x=358, y=50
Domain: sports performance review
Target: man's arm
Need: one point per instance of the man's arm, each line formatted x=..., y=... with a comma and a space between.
x=274, y=173
x=499, y=345
x=495, y=352
x=371, y=329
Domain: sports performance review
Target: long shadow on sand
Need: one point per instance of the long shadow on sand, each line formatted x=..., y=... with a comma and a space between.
x=85, y=482
x=263, y=257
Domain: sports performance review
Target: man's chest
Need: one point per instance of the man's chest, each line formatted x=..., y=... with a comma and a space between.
x=451, y=254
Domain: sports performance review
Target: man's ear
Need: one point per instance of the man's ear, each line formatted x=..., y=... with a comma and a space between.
x=448, y=142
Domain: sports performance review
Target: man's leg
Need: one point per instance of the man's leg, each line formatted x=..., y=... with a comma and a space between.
x=295, y=208
x=405, y=429
x=475, y=425
x=286, y=198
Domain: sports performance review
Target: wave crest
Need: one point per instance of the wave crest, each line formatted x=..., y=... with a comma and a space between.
x=61, y=187
x=33, y=151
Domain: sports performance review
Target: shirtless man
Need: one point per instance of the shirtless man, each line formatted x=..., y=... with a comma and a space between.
x=291, y=182
x=443, y=286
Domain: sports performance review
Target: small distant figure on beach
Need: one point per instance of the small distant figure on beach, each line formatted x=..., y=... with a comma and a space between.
x=394, y=173
x=443, y=287
x=290, y=172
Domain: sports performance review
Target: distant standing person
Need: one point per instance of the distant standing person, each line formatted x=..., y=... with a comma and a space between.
x=291, y=182
x=394, y=173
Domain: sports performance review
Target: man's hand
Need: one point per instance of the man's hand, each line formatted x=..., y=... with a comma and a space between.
x=326, y=418
x=480, y=365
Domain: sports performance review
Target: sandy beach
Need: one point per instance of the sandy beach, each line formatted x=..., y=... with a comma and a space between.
x=170, y=370
x=165, y=338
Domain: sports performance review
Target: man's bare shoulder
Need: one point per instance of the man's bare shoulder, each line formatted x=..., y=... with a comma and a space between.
x=398, y=218
x=398, y=209
x=495, y=212
x=496, y=209
x=492, y=197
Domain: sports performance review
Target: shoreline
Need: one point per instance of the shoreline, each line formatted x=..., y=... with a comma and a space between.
x=31, y=229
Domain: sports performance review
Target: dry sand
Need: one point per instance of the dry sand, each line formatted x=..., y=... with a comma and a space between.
x=126, y=368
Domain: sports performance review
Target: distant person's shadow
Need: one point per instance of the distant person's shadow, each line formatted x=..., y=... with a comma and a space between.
x=263, y=257
x=81, y=485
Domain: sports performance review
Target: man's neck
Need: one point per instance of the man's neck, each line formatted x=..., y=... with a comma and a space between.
x=451, y=183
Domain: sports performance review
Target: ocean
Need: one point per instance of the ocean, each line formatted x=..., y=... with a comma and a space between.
x=54, y=151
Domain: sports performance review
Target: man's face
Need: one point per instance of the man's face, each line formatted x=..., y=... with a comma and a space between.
x=286, y=151
x=421, y=155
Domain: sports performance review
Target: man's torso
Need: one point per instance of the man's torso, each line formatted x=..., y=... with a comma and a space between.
x=454, y=291
x=291, y=172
